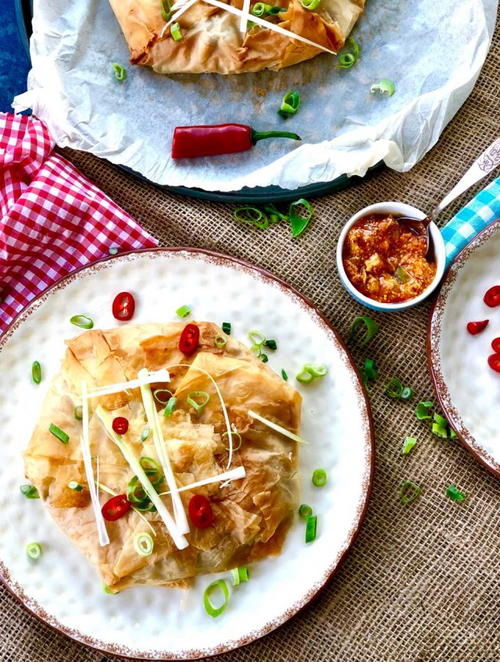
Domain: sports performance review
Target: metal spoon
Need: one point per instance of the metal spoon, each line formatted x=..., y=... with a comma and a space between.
x=481, y=167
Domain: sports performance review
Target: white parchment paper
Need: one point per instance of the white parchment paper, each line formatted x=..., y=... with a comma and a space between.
x=432, y=49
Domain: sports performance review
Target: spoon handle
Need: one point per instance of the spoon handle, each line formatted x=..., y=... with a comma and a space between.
x=487, y=162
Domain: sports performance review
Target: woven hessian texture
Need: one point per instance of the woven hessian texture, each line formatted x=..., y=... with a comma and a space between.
x=422, y=582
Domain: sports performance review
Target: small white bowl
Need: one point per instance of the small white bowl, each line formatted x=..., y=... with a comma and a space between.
x=398, y=209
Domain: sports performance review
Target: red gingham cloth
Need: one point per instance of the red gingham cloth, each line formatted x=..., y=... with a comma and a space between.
x=54, y=219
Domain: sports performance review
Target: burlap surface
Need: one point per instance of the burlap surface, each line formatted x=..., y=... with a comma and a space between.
x=422, y=582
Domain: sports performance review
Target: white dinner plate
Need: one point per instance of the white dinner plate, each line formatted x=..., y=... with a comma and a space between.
x=468, y=390
x=153, y=622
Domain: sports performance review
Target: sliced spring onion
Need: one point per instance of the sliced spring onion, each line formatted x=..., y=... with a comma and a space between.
x=453, y=434
x=394, y=388
x=261, y=9
x=440, y=420
x=406, y=393
x=439, y=430
x=180, y=523
x=197, y=400
x=300, y=222
x=310, y=4
x=152, y=469
x=274, y=213
x=129, y=455
x=144, y=544
x=311, y=526
x=93, y=486
x=58, y=433
x=422, y=410
x=232, y=474
x=36, y=372
x=220, y=342
x=271, y=344
x=239, y=575
x=256, y=338
x=290, y=102
x=310, y=372
x=78, y=412
x=385, y=88
x=82, y=321
x=34, y=550
x=401, y=275
x=277, y=428
x=453, y=493
x=369, y=372
x=251, y=216
x=183, y=311
x=145, y=433
x=408, y=444
x=284, y=374
x=347, y=60
x=226, y=327
x=176, y=32
x=236, y=435
x=409, y=491
x=113, y=250
x=363, y=329
x=305, y=511
x=264, y=358
x=75, y=485
x=220, y=586
x=162, y=395
x=166, y=9
x=169, y=407
x=319, y=477
x=119, y=71
x=29, y=491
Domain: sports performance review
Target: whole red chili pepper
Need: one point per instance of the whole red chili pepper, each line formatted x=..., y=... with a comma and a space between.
x=209, y=140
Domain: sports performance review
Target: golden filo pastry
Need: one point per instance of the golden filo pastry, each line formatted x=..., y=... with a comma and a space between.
x=250, y=515
x=212, y=41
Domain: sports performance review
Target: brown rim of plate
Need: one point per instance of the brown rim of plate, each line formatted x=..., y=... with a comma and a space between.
x=124, y=652
x=432, y=346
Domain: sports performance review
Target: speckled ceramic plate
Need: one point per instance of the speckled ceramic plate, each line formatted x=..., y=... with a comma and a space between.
x=468, y=390
x=157, y=623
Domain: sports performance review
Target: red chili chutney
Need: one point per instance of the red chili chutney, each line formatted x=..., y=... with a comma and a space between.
x=385, y=261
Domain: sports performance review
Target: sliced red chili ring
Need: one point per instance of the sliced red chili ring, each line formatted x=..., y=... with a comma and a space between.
x=494, y=362
x=476, y=327
x=190, y=339
x=123, y=306
x=200, y=512
x=120, y=425
x=492, y=296
x=115, y=508
x=495, y=345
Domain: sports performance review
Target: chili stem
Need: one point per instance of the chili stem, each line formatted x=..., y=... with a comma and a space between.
x=262, y=135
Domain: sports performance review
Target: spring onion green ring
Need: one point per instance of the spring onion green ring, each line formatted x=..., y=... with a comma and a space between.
x=147, y=431
x=406, y=393
x=409, y=491
x=439, y=430
x=385, y=88
x=422, y=410
x=157, y=394
x=135, y=491
x=226, y=328
x=169, y=407
x=311, y=5
x=256, y=337
x=34, y=550
x=290, y=104
x=36, y=372
x=236, y=435
x=311, y=372
x=220, y=342
x=75, y=485
x=251, y=216
x=300, y=222
x=347, y=60
x=264, y=358
x=183, y=311
x=82, y=321
x=119, y=71
x=305, y=511
x=194, y=398
x=58, y=433
x=271, y=344
x=311, y=526
x=176, y=32
x=304, y=376
x=394, y=388
x=284, y=374
x=29, y=491
x=78, y=412
x=144, y=544
x=368, y=328
x=210, y=608
x=319, y=477
x=239, y=575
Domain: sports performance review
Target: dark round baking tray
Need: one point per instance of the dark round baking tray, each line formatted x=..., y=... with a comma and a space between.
x=260, y=194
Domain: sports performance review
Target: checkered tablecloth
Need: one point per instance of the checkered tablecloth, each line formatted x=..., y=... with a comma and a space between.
x=482, y=210
x=53, y=219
